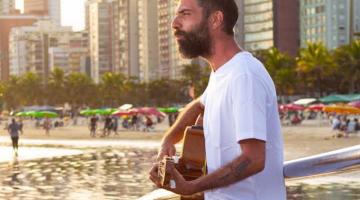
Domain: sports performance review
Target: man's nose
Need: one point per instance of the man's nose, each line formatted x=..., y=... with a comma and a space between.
x=175, y=23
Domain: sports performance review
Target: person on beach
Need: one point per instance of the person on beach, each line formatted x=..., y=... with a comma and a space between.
x=243, y=142
x=107, y=126
x=47, y=126
x=14, y=130
x=115, y=125
x=93, y=126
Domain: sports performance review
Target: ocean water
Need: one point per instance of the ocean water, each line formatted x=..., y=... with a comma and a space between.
x=106, y=173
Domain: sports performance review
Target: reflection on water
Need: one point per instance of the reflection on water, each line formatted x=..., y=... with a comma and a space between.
x=120, y=174
x=344, y=185
x=104, y=174
x=334, y=191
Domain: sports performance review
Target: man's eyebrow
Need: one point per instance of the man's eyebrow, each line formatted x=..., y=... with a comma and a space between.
x=181, y=11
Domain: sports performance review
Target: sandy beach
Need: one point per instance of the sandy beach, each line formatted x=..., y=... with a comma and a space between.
x=308, y=138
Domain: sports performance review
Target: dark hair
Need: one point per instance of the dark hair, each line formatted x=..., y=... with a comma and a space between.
x=227, y=7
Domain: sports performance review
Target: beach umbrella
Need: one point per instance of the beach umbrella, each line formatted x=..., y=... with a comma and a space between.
x=342, y=109
x=316, y=107
x=105, y=111
x=120, y=113
x=87, y=112
x=126, y=106
x=291, y=107
x=355, y=104
x=42, y=114
x=25, y=114
x=169, y=110
x=305, y=101
x=148, y=111
x=21, y=114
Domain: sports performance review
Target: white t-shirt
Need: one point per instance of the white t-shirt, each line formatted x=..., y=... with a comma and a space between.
x=240, y=103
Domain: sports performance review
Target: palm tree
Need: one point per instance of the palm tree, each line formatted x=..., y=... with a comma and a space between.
x=315, y=63
x=55, y=89
x=31, y=89
x=112, y=88
x=80, y=90
x=348, y=59
x=10, y=93
x=281, y=68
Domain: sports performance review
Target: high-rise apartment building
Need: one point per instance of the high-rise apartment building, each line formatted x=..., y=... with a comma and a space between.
x=51, y=8
x=7, y=23
x=72, y=54
x=271, y=23
x=332, y=22
x=44, y=46
x=7, y=7
x=102, y=25
x=138, y=39
x=148, y=40
x=131, y=26
x=170, y=61
x=355, y=20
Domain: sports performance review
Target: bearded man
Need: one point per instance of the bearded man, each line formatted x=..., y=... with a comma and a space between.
x=243, y=142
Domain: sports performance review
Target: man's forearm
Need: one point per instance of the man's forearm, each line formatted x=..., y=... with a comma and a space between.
x=239, y=169
x=186, y=118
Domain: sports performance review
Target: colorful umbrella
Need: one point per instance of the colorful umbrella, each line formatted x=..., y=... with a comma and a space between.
x=147, y=111
x=42, y=114
x=120, y=113
x=87, y=112
x=25, y=114
x=355, y=104
x=291, y=107
x=316, y=107
x=90, y=112
x=342, y=109
x=21, y=114
x=105, y=111
x=169, y=110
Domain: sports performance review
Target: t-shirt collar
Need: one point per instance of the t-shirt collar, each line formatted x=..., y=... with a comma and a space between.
x=223, y=69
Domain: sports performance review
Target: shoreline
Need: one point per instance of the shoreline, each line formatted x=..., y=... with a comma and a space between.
x=306, y=139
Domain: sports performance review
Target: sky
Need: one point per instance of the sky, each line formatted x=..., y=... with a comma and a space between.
x=72, y=13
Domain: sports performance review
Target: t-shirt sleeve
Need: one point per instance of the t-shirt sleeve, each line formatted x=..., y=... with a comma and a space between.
x=249, y=107
x=203, y=97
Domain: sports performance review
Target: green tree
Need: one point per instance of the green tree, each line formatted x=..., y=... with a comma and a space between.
x=80, y=90
x=30, y=89
x=348, y=60
x=10, y=92
x=166, y=92
x=55, y=89
x=281, y=68
x=197, y=77
x=315, y=64
x=112, y=88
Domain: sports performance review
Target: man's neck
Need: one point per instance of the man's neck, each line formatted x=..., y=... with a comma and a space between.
x=224, y=49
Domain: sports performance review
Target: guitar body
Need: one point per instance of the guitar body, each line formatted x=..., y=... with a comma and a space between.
x=192, y=161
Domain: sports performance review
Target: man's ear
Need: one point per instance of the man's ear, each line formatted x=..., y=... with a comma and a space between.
x=216, y=20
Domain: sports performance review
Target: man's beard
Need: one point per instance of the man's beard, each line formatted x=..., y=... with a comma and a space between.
x=196, y=42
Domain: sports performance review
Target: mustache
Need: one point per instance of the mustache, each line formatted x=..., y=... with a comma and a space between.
x=180, y=33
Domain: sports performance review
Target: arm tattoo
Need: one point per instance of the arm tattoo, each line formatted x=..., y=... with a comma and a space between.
x=236, y=171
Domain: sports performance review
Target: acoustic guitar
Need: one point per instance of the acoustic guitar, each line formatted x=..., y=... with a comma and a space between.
x=191, y=163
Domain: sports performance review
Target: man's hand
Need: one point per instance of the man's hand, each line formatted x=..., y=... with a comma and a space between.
x=154, y=176
x=166, y=149
x=183, y=187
